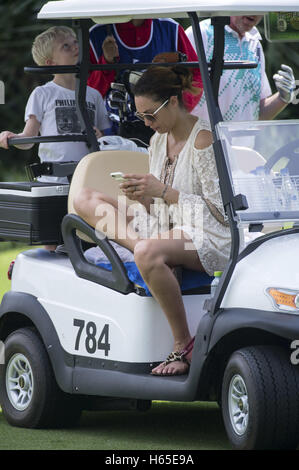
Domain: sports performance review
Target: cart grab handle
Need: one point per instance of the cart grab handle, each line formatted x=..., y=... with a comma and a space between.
x=117, y=279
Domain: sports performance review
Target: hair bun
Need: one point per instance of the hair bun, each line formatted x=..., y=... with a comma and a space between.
x=184, y=75
x=159, y=83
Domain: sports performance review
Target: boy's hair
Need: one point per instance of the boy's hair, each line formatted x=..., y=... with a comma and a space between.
x=42, y=48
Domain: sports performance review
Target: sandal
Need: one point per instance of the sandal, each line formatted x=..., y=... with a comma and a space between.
x=177, y=356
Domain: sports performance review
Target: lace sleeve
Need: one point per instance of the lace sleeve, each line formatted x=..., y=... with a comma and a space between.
x=204, y=165
x=206, y=184
x=192, y=199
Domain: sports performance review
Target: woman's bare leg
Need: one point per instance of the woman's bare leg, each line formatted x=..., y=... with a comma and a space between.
x=107, y=215
x=155, y=260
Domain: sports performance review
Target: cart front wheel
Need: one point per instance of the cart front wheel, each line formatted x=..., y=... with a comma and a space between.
x=29, y=394
x=19, y=382
x=260, y=403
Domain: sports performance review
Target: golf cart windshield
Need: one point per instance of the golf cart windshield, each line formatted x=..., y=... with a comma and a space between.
x=263, y=162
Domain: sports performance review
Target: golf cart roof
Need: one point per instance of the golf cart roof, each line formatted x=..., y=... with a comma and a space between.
x=106, y=11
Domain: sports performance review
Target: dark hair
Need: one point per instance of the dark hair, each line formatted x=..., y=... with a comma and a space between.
x=160, y=83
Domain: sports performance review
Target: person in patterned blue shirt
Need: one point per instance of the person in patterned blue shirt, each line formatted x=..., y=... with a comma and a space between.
x=245, y=94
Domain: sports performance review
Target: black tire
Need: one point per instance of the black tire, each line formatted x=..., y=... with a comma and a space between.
x=37, y=401
x=271, y=383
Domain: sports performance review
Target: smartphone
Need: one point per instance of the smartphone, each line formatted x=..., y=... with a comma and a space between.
x=118, y=176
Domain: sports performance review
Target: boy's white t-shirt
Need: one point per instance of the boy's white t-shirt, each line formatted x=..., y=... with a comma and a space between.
x=54, y=107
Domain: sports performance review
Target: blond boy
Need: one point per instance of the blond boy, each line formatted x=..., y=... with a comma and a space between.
x=51, y=109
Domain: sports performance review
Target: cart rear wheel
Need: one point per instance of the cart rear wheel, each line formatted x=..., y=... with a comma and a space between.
x=29, y=394
x=260, y=403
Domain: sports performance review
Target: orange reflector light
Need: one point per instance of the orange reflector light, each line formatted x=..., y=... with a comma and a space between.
x=283, y=298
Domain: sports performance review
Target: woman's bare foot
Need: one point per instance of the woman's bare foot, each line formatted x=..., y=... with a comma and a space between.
x=177, y=363
x=178, y=367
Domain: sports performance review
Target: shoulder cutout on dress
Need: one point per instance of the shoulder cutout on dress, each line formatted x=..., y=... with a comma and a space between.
x=203, y=139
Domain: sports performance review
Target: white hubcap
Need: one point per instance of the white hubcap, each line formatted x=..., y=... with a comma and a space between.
x=238, y=405
x=19, y=382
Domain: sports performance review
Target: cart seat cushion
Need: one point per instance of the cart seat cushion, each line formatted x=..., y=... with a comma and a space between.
x=189, y=279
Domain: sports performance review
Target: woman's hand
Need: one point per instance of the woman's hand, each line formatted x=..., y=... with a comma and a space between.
x=139, y=187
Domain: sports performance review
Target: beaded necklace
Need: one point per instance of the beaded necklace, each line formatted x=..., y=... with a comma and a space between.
x=168, y=169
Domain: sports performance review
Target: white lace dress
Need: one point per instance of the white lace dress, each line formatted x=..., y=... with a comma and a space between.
x=199, y=211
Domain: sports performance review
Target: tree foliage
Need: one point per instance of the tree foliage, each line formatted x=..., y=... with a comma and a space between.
x=19, y=26
x=275, y=55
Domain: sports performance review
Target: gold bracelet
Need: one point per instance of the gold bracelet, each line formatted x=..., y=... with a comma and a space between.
x=164, y=191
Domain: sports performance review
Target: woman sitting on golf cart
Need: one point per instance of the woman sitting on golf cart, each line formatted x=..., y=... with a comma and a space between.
x=182, y=222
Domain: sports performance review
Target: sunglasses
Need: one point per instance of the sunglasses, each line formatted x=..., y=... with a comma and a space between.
x=150, y=116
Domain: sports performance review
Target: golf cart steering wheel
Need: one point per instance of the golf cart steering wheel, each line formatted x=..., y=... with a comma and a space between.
x=290, y=151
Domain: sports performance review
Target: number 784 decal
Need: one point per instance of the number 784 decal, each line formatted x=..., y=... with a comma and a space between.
x=92, y=339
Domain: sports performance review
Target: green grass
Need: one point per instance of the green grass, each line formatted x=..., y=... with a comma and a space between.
x=172, y=426
x=167, y=426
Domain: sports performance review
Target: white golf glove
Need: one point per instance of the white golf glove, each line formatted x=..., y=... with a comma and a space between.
x=115, y=142
x=285, y=83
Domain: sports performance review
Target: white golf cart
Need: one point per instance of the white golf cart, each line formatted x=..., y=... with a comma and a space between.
x=78, y=336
